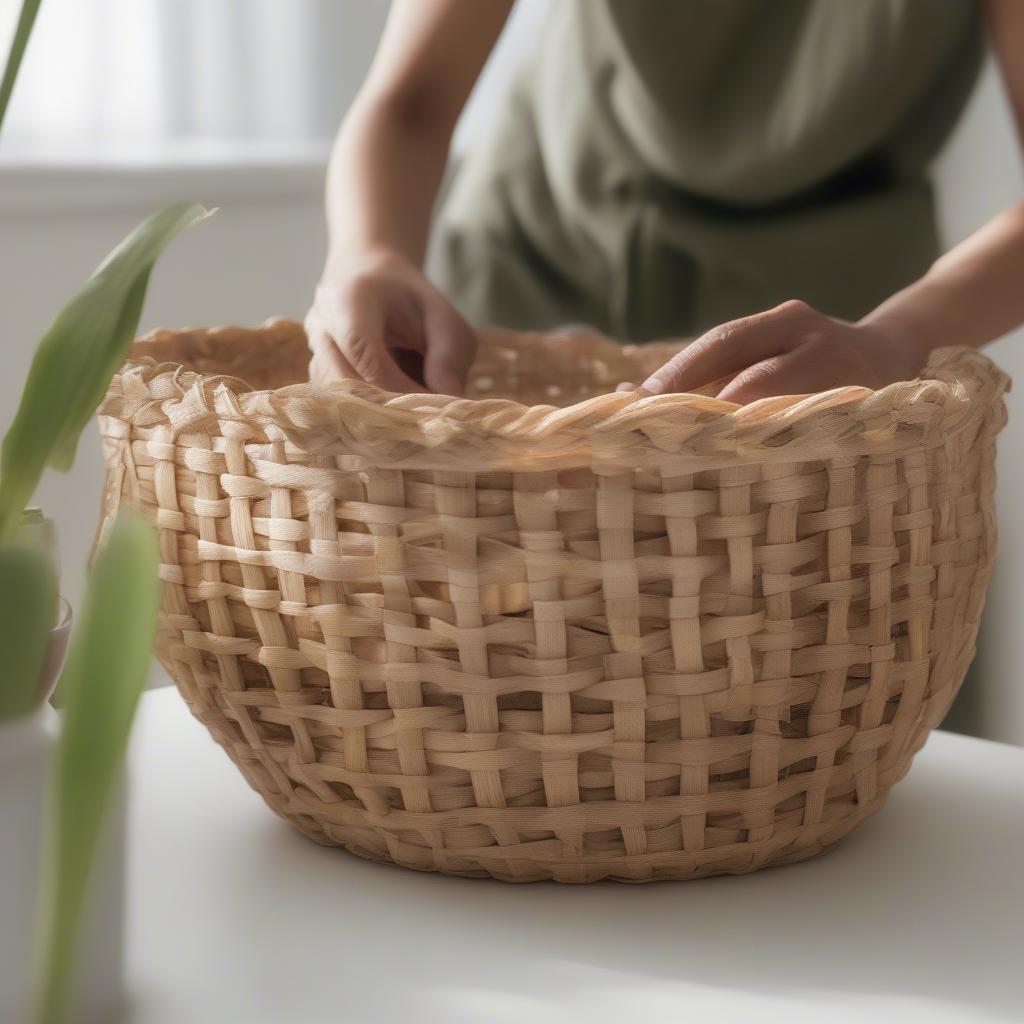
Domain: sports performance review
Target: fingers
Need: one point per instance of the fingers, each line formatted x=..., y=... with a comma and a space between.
x=326, y=365
x=357, y=329
x=451, y=348
x=730, y=347
x=801, y=371
x=392, y=331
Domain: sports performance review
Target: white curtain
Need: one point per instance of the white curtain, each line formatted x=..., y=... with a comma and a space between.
x=119, y=73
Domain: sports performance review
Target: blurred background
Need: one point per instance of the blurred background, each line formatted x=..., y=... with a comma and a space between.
x=124, y=105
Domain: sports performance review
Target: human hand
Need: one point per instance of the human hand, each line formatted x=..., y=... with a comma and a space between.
x=381, y=321
x=789, y=350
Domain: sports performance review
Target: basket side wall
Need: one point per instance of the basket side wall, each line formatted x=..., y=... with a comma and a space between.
x=572, y=673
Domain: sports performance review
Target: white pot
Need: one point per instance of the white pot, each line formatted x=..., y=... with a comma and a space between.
x=27, y=747
x=98, y=996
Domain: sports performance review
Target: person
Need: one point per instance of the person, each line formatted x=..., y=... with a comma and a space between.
x=751, y=173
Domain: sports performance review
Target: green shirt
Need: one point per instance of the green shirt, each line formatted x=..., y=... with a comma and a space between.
x=664, y=165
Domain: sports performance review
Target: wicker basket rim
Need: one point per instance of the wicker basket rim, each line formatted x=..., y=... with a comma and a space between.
x=958, y=385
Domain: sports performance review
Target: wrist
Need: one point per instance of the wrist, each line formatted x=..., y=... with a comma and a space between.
x=345, y=261
x=905, y=332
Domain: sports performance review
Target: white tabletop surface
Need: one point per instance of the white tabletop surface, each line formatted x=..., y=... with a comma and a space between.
x=234, y=917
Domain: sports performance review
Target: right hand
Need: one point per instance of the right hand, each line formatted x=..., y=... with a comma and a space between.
x=376, y=319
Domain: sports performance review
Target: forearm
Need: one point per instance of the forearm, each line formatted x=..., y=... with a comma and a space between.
x=390, y=154
x=971, y=295
x=383, y=178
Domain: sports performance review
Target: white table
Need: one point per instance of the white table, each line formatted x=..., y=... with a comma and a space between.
x=236, y=918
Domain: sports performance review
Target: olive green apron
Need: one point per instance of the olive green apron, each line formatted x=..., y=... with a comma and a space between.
x=664, y=165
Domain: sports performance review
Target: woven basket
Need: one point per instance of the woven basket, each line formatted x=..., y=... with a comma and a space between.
x=633, y=638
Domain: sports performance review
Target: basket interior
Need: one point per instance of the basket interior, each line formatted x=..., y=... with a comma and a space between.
x=265, y=358
x=558, y=368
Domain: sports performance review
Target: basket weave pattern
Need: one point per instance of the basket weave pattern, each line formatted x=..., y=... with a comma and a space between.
x=627, y=638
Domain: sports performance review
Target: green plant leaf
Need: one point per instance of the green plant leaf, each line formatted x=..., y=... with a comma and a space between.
x=77, y=357
x=105, y=674
x=28, y=597
x=27, y=18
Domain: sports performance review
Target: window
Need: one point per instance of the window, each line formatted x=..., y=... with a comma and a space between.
x=124, y=74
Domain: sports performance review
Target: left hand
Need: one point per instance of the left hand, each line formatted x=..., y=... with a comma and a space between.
x=789, y=350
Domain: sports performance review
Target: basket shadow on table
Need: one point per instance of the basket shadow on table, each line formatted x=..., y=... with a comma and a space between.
x=882, y=914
